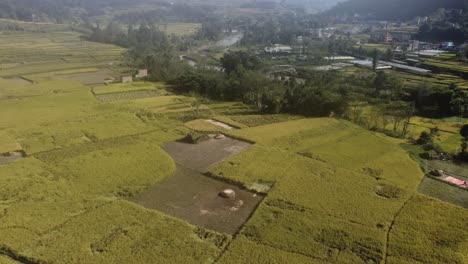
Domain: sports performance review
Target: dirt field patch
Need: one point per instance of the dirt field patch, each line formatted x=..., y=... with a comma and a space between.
x=194, y=197
x=89, y=78
x=220, y=124
x=10, y=157
x=202, y=156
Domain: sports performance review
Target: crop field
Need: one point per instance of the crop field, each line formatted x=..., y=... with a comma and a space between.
x=444, y=192
x=440, y=79
x=327, y=205
x=444, y=64
x=127, y=87
x=42, y=55
x=100, y=180
x=180, y=29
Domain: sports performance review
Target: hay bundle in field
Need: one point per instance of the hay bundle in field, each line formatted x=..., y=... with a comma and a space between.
x=228, y=193
x=220, y=136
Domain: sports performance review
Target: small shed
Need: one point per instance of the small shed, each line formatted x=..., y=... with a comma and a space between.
x=142, y=73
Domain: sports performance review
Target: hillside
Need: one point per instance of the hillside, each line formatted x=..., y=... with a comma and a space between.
x=393, y=9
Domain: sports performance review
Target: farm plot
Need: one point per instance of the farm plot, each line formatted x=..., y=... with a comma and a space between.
x=41, y=54
x=444, y=192
x=195, y=197
x=191, y=196
x=447, y=65
x=422, y=234
x=114, y=97
x=202, y=156
x=88, y=78
x=41, y=211
x=127, y=87
x=180, y=29
x=128, y=91
x=327, y=205
x=208, y=125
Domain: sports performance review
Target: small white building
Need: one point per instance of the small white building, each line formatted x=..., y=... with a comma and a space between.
x=127, y=79
x=142, y=73
x=278, y=48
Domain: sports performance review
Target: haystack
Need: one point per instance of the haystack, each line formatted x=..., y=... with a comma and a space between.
x=228, y=194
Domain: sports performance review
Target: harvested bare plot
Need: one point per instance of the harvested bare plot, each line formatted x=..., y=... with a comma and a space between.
x=191, y=196
x=11, y=157
x=197, y=198
x=220, y=124
x=202, y=156
x=89, y=78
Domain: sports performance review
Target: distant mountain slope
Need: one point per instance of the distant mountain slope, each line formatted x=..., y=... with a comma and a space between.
x=316, y=4
x=393, y=9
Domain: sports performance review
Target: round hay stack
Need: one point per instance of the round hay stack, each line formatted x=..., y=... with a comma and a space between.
x=228, y=194
x=220, y=136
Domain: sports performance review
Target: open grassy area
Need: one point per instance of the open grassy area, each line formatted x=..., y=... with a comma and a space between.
x=180, y=29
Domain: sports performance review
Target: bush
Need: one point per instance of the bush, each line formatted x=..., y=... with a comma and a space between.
x=428, y=155
x=195, y=138
x=389, y=191
x=424, y=138
x=432, y=146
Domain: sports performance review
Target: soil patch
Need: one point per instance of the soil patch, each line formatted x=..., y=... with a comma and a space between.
x=200, y=157
x=88, y=78
x=11, y=157
x=220, y=124
x=194, y=197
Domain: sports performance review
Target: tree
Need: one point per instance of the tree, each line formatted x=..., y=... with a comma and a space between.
x=389, y=54
x=463, y=155
x=234, y=62
x=380, y=80
x=459, y=100
x=375, y=60
x=424, y=138
x=464, y=132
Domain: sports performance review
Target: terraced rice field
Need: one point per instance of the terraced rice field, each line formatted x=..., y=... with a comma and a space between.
x=39, y=55
x=335, y=193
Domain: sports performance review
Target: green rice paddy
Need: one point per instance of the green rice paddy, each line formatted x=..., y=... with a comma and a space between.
x=335, y=193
